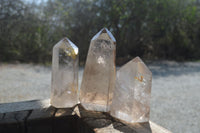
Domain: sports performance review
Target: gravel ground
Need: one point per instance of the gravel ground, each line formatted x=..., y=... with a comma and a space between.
x=175, y=102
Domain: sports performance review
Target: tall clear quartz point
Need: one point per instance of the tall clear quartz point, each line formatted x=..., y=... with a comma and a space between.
x=99, y=74
x=131, y=99
x=64, y=88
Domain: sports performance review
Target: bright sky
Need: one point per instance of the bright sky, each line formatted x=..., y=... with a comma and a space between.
x=36, y=1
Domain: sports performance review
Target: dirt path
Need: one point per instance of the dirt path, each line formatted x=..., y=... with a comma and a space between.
x=175, y=102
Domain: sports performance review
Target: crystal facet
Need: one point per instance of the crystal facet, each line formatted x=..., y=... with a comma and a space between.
x=131, y=99
x=99, y=74
x=64, y=92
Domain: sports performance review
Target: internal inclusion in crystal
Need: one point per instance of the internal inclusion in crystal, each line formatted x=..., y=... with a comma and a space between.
x=65, y=66
x=131, y=100
x=99, y=74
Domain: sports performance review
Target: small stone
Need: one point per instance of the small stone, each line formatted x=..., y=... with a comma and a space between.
x=131, y=100
x=99, y=74
x=64, y=92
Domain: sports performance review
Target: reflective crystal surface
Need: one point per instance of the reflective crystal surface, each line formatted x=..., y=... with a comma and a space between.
x=99, y=74
x=64, y=88
x=131, y=100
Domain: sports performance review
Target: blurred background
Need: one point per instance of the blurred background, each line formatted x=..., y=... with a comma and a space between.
x=164, y=33
x=151, y=29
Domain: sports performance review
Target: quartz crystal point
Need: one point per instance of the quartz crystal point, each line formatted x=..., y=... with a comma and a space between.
x=64, y=91
x=99, y=74
x=131, y=99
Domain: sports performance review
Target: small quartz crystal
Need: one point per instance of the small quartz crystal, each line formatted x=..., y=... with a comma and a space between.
x=64, y=92
x=99, y=74
x=131, y=99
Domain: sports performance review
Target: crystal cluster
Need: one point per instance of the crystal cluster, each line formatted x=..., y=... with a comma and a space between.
x=99, y=74
x=64, y=92
x=131, y=87
x=131, y=100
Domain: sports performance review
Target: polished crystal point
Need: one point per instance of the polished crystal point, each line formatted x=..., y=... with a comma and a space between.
x=131, y=100
x=99, y=74
x=64, y=92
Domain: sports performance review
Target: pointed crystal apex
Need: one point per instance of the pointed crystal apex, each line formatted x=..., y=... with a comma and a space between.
x=105, y=33
x=131, y=100
x=73, y=46
x=141, y=65
x=69, y=47
x=137, y=59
